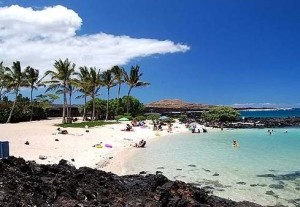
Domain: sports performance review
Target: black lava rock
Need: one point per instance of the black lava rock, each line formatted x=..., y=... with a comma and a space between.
x=25, y=183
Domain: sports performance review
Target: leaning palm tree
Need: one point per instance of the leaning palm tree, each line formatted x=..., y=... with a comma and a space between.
x=118, y=73
x=14, y=78
x=108, y=81
x=32, y=81
x=3, y=90
x=83, y=86
x=60, y=79
x=133, y=81
x=94, y=87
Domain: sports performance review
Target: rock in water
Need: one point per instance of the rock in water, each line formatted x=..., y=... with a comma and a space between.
x=25, y=183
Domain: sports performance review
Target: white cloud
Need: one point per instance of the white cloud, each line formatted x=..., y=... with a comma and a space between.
x=39, y=37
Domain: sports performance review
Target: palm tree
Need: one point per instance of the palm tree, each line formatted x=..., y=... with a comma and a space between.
x=60, y=79
x=71, y=90
x=14, y=78
x=95, y=83
x=118, y=73
x=82, y=83
x=3, y=90
x=32, y=79
x=108, y=81
x=133, y=81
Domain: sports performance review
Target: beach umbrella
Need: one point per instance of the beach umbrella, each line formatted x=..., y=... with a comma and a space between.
x=163, y=118
x=124, y=119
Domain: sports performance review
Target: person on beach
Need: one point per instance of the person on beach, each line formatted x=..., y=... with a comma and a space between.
x=170, y=127
x=141, y=143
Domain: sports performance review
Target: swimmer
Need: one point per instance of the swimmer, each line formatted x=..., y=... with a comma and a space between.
x=234, y=143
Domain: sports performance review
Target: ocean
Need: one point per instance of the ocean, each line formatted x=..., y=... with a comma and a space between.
x=264, y=169
x=279, y=113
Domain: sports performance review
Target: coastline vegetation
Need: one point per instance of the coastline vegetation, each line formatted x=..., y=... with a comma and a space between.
x=64, y=80
x=84, y=124
x=221, y=114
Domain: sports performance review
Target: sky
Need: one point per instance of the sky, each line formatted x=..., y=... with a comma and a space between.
x=234, y=52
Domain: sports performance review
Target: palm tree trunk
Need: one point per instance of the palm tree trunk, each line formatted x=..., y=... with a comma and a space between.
x=93, y=114
x=1, y=93
x=31, y=116
x=84, y=109
x=70, y=108
x=64, y=106
x=107, y=104
x=127, y=111
x=13, y=107
x=119, y=90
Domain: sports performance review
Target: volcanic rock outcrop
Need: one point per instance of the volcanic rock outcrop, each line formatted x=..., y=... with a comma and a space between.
x=25, y=183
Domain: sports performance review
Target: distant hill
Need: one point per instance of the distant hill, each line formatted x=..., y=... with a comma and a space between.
x=175, y=105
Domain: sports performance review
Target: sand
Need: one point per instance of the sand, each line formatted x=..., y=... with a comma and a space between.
x=77, y=145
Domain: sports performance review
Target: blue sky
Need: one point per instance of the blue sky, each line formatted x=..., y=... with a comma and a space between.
x=221, y=52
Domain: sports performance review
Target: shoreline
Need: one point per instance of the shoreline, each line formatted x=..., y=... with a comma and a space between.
x=77, y=146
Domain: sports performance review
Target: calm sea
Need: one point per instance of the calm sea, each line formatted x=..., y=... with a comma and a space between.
x=291, y=112
x=264, y=169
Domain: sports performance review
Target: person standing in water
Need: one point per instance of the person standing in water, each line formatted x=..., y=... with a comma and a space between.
x=234, y=143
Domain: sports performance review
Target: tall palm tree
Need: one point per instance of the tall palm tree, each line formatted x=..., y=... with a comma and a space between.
x=133, y=81
x=95, y=81
x=60, y=79
x=32, y=80
x=71, y=90
x=14, y=78
x=108, y=81
x=118, y=73
x=83, y=85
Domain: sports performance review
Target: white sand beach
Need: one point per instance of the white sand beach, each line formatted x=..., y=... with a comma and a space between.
x=77, y=144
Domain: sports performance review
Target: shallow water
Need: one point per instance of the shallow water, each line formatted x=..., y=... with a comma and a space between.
x=210, y=160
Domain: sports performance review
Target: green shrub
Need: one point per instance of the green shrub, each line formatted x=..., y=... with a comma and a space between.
x=153, y=117
x=140, y=118
x=182, y=118
x=221, y=113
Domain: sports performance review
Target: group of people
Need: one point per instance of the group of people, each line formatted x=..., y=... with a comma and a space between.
x=136, y=123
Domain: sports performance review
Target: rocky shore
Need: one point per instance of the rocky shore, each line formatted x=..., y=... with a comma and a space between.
x=258, y=123
x=25, y=183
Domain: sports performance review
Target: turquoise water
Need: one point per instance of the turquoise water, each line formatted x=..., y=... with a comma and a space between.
x=209, y=160
x=280, y=113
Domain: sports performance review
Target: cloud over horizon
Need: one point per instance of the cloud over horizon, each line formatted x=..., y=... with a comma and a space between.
x=39, y=37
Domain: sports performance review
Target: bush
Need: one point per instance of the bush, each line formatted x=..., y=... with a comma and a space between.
x=21, y=112
x=221, y=113
x=182, y=118
x=140, y=118
x=128, y=116
x=153, y=117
